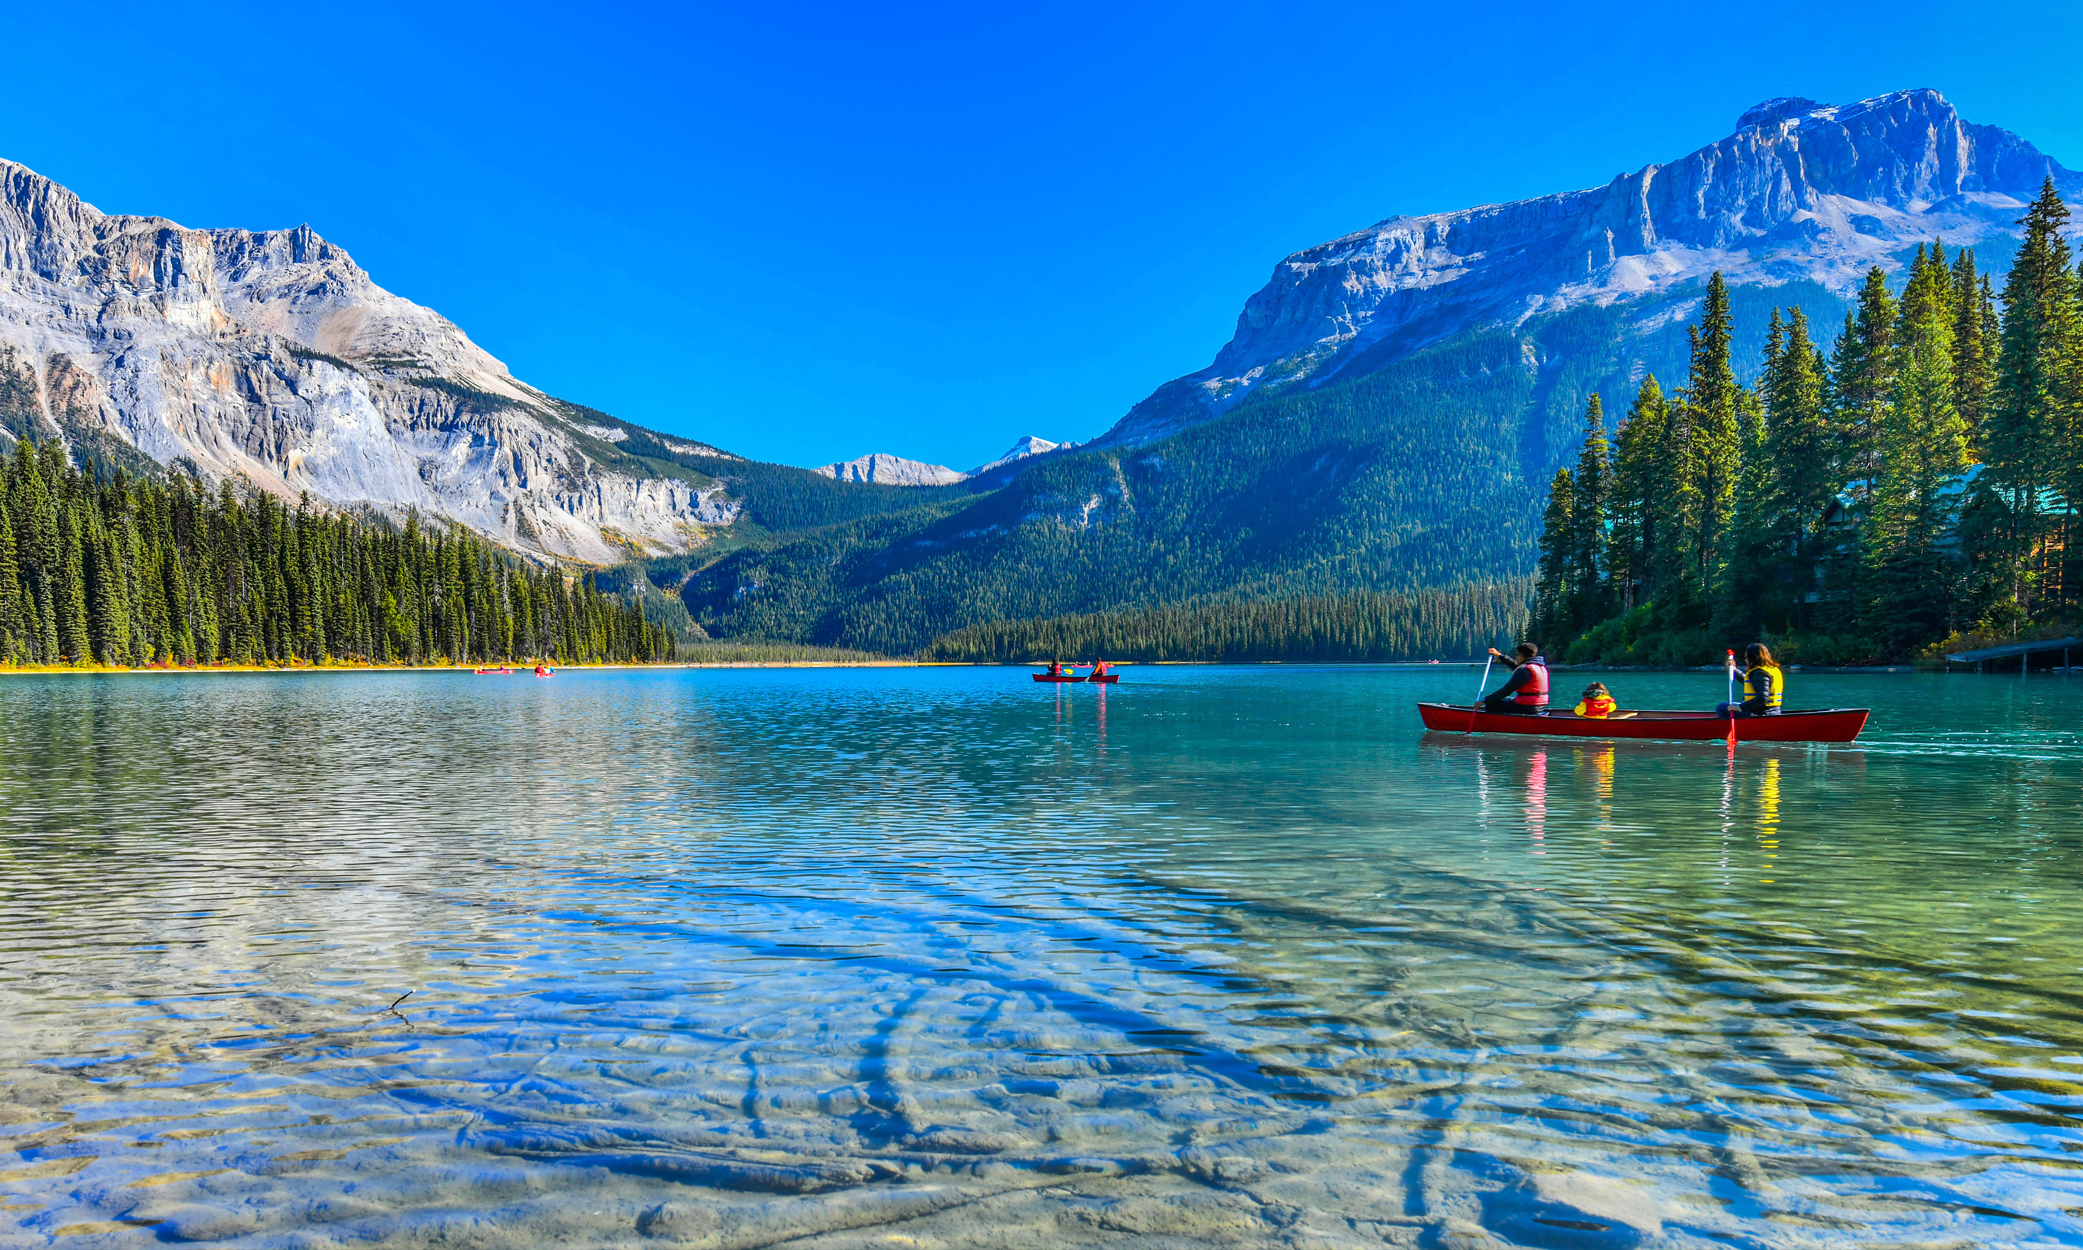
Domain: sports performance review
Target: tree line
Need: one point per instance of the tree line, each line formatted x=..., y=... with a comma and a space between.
x=1366, y=625
x=131, y=571
x=1914, y=483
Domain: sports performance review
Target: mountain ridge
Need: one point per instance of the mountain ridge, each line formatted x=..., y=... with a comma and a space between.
x=884, y=468
x=270, y=356
x=1800, y=191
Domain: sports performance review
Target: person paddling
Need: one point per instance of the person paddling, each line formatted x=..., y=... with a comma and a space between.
x=1764, y=685
x=1099, y=668
x=1525, y=692
x=1055, y=668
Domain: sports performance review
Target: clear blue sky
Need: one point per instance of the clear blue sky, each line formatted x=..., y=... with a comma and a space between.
x=808, y=232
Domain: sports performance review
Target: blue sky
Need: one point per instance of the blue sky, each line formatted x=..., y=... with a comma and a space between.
x=808, y=232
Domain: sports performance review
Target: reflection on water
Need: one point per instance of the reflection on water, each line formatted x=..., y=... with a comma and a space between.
x=1212, y=957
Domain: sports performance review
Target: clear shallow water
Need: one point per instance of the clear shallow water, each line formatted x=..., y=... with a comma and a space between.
x=941, y=957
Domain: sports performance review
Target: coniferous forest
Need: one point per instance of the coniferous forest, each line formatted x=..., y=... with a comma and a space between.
x=1364, y=625
x=130, y=572
x=1907, y=487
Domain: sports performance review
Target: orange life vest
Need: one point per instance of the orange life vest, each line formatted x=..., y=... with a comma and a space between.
x=1535, y=692
x=1600, y=706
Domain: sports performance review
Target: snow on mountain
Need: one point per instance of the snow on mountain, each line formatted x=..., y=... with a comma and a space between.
x=897, y=471
x=888, y=470
x=272, y=357
x=1028, y=446
x=1800, y=191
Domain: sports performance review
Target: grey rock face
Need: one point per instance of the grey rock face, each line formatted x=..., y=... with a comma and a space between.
x=1800, y=191
x=888, y=470
x=270, y=356
x=897, y=471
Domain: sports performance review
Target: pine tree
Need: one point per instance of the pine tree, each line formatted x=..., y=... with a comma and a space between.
x=1636, y=487
x=1552, y=589
x=1800, y=453
x=1975, y=337
x=1589, y=593
x=1864, y=374
x=1923, y=451
x=13, y=624
x=2024, y=444
x=1715, y=419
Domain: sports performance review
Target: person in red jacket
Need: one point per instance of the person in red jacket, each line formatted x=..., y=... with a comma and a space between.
x=1525, y=692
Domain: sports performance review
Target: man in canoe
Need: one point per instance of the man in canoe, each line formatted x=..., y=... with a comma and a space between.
x=1099, y=668
x=1764, y=686
x=1525, y=692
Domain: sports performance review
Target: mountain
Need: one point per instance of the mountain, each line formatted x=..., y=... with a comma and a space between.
x=897, y=471
x=270, y=356
x=1801, y=194
x=1022, y=450
x=890, y=470
x=1393, y=402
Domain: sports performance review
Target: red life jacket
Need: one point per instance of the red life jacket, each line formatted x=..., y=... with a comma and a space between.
x=1535, y=692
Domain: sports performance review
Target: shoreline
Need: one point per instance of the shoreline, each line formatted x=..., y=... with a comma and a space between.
x=518, y=670
x=524, y=669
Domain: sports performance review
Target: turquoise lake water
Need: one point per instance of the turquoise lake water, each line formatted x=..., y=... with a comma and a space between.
x=940, y=957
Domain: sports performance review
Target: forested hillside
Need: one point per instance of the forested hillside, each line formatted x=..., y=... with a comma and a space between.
x=1423, y=472
x=130, y=571
x=1362, y=626
x=1883, y=487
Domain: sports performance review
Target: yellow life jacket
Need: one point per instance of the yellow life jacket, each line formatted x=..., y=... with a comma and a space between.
x=1599, y=706
x=1750, y=690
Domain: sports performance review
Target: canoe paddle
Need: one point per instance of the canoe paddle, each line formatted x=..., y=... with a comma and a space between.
x=1487, y=661
x=1732, y=698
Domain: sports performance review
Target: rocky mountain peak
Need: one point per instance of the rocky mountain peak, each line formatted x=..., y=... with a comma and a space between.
x=884, y=469
x=1801, y=192
x=1776, y=109
x=271, y=357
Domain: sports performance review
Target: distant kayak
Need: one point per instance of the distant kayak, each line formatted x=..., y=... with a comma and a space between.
x=1830, y=725
x=545, y=671
x=501, y=671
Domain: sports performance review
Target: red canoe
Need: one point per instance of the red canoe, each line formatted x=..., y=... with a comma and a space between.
x=1834, y=725
x=1057, y=677
x=1105, y=677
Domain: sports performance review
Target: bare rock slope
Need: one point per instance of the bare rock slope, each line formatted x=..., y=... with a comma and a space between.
x=271, y=356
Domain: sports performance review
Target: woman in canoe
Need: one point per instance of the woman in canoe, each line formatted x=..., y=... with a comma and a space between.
x=1525, y=692
x=1099, y=668
x=1764, y=686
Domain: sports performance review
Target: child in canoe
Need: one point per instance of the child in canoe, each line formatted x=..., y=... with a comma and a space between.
x=1597, y=704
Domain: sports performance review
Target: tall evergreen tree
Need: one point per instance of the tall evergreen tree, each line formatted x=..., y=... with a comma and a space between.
x=2025, y=444
x=1636, y=493
x=1714, y=404
x=1589, y=593
x=1552, y=588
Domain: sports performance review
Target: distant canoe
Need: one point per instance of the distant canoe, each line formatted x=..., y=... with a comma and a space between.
x=501, y=671
x=1831, y=725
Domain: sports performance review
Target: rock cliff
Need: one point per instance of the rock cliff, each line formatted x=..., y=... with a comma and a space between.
x=270, y=356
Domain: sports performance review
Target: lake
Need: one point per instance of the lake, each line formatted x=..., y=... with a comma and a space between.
x=942, y=957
